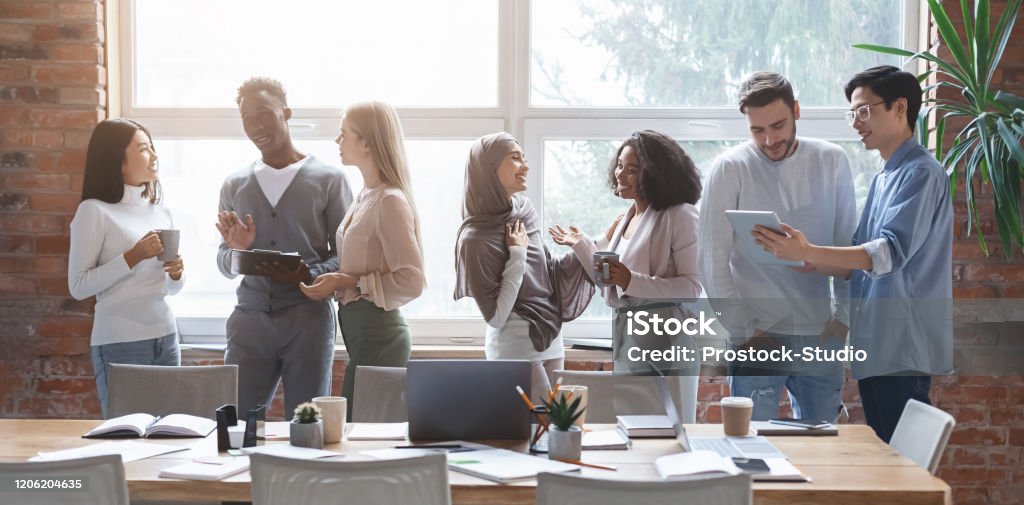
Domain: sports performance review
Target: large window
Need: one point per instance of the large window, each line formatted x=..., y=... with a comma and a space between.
x=570, y=79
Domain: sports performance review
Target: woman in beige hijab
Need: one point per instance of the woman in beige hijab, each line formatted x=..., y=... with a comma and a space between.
x=523, y=292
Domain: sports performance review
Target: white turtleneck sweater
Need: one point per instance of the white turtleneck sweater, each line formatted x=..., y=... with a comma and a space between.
x=130, y=303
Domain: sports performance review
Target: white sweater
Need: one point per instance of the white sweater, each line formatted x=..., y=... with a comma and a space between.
x=130, y=304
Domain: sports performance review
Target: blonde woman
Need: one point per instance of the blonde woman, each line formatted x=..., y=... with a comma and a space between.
x=380, y=256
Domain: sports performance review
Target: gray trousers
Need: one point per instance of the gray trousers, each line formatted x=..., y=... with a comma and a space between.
x=294, y=344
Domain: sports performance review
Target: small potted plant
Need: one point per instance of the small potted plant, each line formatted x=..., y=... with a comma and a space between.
x=306, y=428
x=565, y=441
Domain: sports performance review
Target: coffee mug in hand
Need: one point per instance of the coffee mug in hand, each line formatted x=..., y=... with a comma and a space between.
x=736, y=414
x=601, y=267
x=169, y=239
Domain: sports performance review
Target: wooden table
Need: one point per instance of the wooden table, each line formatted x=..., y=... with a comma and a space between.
x=854, y=467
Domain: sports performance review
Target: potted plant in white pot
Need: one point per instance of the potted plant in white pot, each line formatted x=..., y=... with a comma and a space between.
x=306, y=428
x=565, y=441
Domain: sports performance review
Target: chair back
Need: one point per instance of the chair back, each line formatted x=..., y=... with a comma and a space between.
x=608, y=396
x=563, y=489
x=379, y=395
x=163, y=390
x=285, y=481
x=101, y=478
x=921, y=434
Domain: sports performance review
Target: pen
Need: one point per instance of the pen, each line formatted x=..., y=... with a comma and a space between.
x=591, y=465
x=430, y=446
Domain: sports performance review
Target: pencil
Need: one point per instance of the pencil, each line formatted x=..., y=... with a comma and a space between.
x=591, y=465
x=529, y=404
x=553, y=392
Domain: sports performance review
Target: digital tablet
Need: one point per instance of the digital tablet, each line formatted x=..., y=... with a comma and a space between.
x=744, y=221
x=244, y=262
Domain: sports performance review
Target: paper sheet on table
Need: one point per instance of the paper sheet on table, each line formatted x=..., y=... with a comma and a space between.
x=129, y=450
x=378, y=431
x=291, y=451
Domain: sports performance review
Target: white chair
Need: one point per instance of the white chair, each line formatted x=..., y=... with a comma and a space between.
x=101, y=477
x=609, y=395
x=562, y=489
x=921, y=434
x=286, y=481
x=379, y=395
x=163, y=390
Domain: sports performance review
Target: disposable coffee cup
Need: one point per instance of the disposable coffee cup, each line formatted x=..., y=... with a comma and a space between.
x=736, y=413
x=602, y=272
x=169, y=238
x=577, y=392
x=236, y=434
x=333, y=410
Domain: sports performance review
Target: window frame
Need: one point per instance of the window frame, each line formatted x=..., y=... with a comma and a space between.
x=514, y=114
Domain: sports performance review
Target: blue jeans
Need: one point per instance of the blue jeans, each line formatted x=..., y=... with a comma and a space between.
x=815, y=390
x=155, y=351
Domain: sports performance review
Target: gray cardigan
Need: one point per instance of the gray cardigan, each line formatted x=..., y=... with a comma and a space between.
x=304, y=221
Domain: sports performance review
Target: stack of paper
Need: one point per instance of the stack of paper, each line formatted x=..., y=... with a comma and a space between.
x=502, y=465
x=645, y=426
x=291, y=451
x=605, y=440
x=215, y=468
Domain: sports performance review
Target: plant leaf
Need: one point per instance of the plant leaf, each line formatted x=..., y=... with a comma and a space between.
x=1001, y=35
x=950, y=38
x=980, y=43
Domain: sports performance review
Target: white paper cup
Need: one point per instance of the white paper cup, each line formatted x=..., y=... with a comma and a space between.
x=236, y=435
x=577, y=392
x=333, y=409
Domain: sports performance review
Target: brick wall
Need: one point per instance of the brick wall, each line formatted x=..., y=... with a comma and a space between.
x=52, y=91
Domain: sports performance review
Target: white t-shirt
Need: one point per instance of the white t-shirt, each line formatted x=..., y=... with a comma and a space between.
x=274, y=181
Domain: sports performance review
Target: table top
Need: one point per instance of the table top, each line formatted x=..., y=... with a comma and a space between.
x=853, y=467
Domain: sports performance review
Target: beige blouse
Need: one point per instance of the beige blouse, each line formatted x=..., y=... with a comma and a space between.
x=377, y=243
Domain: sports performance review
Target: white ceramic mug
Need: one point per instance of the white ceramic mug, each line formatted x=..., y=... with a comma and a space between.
x=333, y=410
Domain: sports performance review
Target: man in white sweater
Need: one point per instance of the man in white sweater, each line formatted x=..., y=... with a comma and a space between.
x=803, y=180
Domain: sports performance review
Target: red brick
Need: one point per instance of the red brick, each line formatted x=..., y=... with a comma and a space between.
x=49, y=265
x=78, y=139
x=77, y=53
x=53, y=286
x=47, y=139
x=15, y=32
x=71, y=73
x=53, y=244
x=1001, y=273
x=972, y=290
x=72, y=160
x=12, y=72
x=962, y=457
x=976, y=476
x=76, y=182
x=15, y=243
x=967, y=414
x=964, y=495
x=86, y=32
x=11, y=284
x=89, y=11
x=28, y=94
x=64, y=386
x=709, y=392
x=10, y=10
x=1017, y=437
x=30, y=223
x=15, y=264
x=63, y=118
x=65, y=327
x=1011, y=415
x=1004, y=456
x=90, y=95
x=55, y=202
x=978, y=436
x=31, y=180
x=16, y=137
x=713, y=414
x=963, y=395
x=71, y=346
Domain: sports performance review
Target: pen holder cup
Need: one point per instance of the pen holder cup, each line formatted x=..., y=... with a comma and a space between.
x=539, y=416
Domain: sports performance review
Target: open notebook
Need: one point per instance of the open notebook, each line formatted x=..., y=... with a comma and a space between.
x=697, y=464
x=145, y=425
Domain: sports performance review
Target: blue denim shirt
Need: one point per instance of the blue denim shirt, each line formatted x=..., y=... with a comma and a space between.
x=903, y=317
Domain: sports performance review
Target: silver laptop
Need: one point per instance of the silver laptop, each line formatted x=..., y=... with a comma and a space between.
x=467, y=399
x=733, y=447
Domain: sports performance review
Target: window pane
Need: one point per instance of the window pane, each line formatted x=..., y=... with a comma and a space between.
x=576, y=191
x=192, y=172
x=695, y=53
x=327, y=53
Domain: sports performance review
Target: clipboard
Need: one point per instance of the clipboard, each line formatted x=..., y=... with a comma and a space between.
x=243, y=262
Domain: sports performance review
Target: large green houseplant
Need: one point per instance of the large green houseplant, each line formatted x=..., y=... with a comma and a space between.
x=988, y=149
